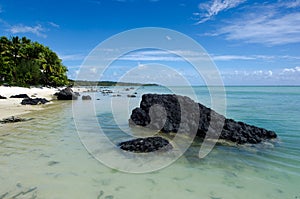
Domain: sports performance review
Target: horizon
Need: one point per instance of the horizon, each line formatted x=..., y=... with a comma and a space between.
x=251, y=43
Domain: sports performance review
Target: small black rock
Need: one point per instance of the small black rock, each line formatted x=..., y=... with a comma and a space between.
x=35, y=101
x=20, y=96
x=86, y=97
x=145, y=145
x=13, y=119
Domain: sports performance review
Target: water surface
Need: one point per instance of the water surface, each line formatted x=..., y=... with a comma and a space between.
x=44, y=157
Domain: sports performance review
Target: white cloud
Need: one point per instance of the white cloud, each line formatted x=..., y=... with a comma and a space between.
x=72, y=57
x=253, y=57
x=291, y=70
x=37, y=30
x=263, y=29
x=271, y=24
x=284, y=76
x=93, y=70
x=211, y=9
x=159, y=55
x=291, y=4
x=168, y=38
x=54, y=24
x=270, y=73
x=232, y=57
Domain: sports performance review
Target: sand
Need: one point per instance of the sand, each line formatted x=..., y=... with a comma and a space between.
x=12, y=107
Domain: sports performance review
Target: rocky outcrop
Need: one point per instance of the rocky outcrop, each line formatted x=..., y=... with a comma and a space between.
x=145, y=145
x=66, y=94
x=35, y=101
x=86, y=97
x=169, y=113
x=20, y=96
x=13, y=119
x=1, y=97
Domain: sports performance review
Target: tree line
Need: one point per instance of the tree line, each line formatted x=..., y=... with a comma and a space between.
x=25, y=63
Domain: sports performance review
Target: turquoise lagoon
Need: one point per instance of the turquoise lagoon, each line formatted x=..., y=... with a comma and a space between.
x=44, y=157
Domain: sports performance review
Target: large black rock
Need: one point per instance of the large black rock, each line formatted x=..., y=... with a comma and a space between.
x=171, y=113
x=35, y=101
x=1, y=97
x=66, y=94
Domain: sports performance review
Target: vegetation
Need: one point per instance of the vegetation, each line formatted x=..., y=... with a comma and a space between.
x=105, y=83
x=25, y=63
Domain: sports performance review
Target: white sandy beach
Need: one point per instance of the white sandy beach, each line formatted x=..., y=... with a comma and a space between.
x=12, y=107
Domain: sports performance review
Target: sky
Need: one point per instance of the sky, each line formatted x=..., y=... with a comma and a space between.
x=250, y=42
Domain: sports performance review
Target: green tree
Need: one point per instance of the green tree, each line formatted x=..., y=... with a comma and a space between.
x=23, y=63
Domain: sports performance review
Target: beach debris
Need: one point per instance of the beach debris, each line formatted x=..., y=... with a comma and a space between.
x=86, y=97
x=13, y=119
x=2, y=97
x=34, y=101
x=170, y=116
x=66, y=94
x=20, y=96
x=145, y=145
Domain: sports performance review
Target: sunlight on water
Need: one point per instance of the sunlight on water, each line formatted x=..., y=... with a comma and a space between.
x=44, y=157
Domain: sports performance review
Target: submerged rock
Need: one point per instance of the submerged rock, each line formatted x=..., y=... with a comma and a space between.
x=13, y=119
x=145, y=145
x=169, y=116
x=20, y=96
x=66, y=94
x=34, y=101
x=86, y=97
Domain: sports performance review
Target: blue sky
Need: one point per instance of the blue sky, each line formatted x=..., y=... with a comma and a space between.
x=251, y=42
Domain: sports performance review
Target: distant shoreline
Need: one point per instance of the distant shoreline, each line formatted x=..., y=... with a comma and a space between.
x=76, y=83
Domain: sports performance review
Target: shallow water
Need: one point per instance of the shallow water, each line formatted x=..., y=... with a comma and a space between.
x=44, y=157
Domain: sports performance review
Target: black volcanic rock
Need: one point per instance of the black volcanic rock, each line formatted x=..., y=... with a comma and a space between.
x=86, y=97
x=131, y=96
x=20, y=96
x=173, y=113
x=145, y=145
x=13, y=119
x=35, y=101
x=1, y=97
x=66, y=94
